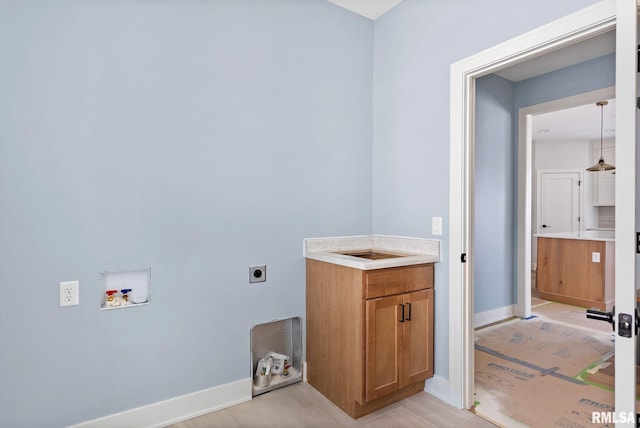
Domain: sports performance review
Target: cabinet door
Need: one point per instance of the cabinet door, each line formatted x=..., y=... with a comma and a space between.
x=383, y=346
x=417, y=337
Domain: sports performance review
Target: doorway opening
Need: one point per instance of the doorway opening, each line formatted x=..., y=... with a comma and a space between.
x=600, y=18
x=514, y=359
x=544, y=153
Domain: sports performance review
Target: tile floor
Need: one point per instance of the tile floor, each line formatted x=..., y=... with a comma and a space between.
x=301, y=406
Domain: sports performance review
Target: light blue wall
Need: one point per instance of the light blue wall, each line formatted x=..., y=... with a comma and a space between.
x=193, y=137
x=198, y=138
x=495, y=201
x=415, y=43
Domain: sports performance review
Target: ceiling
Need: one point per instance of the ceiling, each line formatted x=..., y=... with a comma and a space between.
x=586, y=50
x=372, y=9
x=576, y=123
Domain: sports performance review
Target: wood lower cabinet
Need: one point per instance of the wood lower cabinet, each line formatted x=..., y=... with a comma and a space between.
x=369, y=333
x=567, y=272
x=399, y=331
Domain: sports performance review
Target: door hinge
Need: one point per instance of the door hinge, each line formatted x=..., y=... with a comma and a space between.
x=463, y=257
x=638, y=242
x=579, y=220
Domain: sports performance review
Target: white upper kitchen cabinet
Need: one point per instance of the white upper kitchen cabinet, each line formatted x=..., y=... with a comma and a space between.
x=604, y=182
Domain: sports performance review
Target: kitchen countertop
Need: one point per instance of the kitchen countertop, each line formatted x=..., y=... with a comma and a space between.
x=588, y=235
x=414, y=250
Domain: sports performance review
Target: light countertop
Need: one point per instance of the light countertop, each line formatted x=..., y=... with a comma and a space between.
x=414, y=250
x=588, y=235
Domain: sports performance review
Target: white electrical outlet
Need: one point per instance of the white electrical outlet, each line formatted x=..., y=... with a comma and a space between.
x=436, y=225
x=70, y=293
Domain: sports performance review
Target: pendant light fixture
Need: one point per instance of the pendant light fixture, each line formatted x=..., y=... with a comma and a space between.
x=601, y=165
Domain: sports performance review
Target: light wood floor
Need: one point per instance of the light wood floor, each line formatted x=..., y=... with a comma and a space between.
x=301, y=406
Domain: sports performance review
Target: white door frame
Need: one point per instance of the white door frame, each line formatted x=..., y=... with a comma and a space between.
x=625, y=197
x=582, y=25
x=525, y=171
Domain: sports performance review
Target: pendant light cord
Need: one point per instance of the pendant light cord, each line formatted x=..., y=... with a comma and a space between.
x=601, y=127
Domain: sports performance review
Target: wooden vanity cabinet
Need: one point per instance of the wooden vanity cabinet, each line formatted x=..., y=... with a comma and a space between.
x=369, y=333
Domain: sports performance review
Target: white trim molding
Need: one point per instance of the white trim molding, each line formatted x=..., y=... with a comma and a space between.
x=177, y=409
x=626, y=217
x=438, y=386
x=493, y=315
x=582, y=25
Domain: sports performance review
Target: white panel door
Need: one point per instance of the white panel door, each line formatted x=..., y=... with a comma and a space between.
x=559, y=201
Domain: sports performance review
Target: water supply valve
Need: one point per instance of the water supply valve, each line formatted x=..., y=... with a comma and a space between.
x=125, y=294
x=110, y=293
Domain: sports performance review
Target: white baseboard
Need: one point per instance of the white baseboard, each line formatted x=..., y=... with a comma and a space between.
x=493, y=315
x=177, y=409
x=438, y=386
